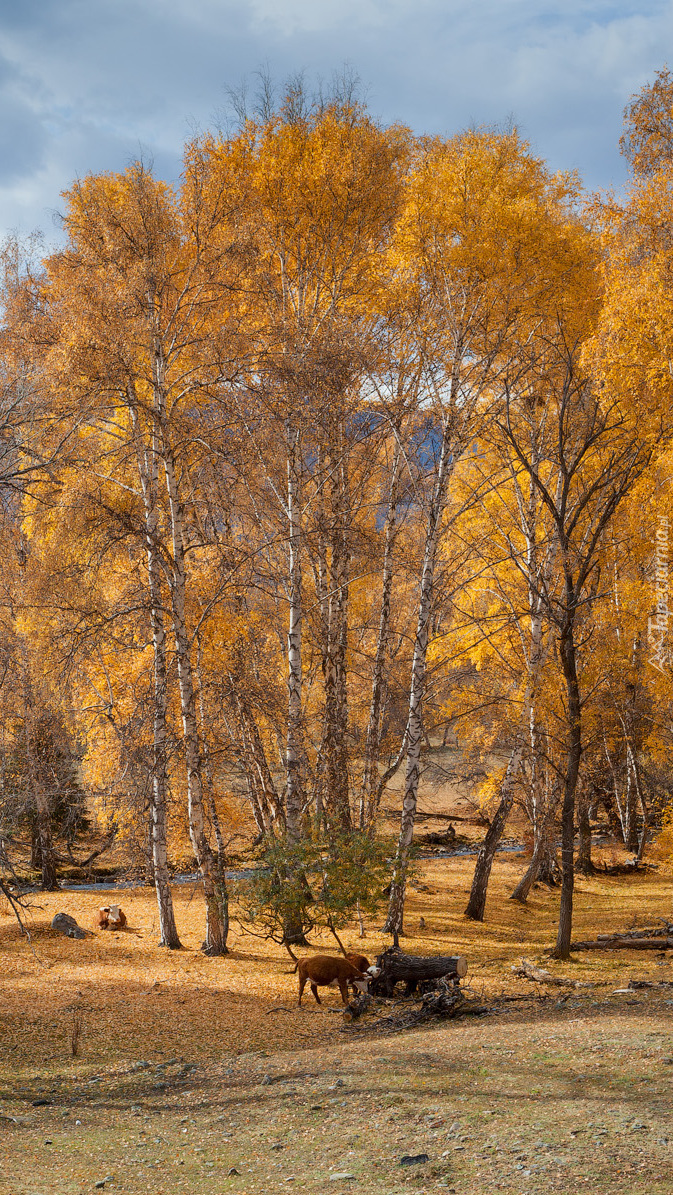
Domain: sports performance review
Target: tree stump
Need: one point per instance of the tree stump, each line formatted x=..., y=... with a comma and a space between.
x=357, y=1006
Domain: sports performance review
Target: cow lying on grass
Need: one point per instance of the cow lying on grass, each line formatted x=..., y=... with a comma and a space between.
x=110, y=917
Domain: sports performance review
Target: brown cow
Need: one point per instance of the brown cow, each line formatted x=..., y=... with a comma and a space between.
x=110, y=917
x=358, y=960
x=324, y=969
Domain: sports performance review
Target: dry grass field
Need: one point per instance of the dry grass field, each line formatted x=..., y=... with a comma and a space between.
x=563, y=1093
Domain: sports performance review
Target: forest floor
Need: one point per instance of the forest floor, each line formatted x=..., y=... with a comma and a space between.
x=190, y=1068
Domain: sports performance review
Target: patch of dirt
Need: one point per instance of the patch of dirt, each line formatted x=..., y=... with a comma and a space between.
x=537, y=1102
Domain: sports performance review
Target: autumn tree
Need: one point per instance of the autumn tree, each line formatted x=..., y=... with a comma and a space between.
x=34, y=443
x=129, y=308
x=322, y=190
x=466, y=246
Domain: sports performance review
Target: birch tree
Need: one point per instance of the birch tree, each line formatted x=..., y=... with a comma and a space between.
x=322, y=189
x=466, y=238
x=134, y=294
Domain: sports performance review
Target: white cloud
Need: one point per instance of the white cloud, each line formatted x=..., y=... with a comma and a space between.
x=86, y=86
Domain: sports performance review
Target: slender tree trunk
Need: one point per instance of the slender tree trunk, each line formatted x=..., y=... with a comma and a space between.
x=528, y=727
x=569, y=664
x=162, y=883
x=322, y=590
x=631, y=836
x=477, y=902
x=269, y=800
x=43, y=832
x=293, y=930
x=148, y=472
x=637, y=782
x=369, y=790
x=49, y=881
x=35, y=848
x=342, y=577
x=543, y=863
x=540, y=860
x=414, y=734
x=584, y=863
x=215, y=895
x=294, y=752
x=221, y=857
x=334, y=653
x=240, y=739
x=615, y=789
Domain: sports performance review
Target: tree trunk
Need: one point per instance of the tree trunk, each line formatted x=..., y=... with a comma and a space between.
x=43, y=832
x=221, y=858
x=215, y=896
x=272, y=801
x=369, y=790
x=569, y=665
x=414, y=731
x=631, y=833
x=541, y=866
x=584, y=863
x=337, y=796
x=293, y=932
x=294, y=751
x=35, y=849
x=477, y=902
x=396, y=966
x=621, y=812
x=148, y=471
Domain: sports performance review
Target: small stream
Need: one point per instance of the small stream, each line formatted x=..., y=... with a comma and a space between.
x=465, y=851
x=110, y=885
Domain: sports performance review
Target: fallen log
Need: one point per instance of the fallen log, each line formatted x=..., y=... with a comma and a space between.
x=654, y=932
x=528, y=970
x=620, y=942
x=396, y=967
x=627, y=868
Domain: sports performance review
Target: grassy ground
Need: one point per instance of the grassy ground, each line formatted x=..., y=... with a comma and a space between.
x=559, y=1094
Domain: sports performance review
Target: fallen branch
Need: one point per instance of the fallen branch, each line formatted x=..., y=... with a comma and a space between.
x=528, y=970
x=445, y=1002
x=626, y=868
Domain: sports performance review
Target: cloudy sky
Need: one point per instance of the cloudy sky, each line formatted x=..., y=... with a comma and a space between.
x=88, y=85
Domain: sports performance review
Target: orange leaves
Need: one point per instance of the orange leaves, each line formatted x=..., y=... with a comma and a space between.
x=647, y=141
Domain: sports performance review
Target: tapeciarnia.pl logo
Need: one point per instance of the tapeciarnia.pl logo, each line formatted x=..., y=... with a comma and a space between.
x=657, y=623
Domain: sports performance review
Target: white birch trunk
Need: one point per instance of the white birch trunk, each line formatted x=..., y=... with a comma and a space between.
x=294, y=748
x=214, y=890
x=414, y=734
x=334, y=657
x=369, y=790
x=148, y=473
